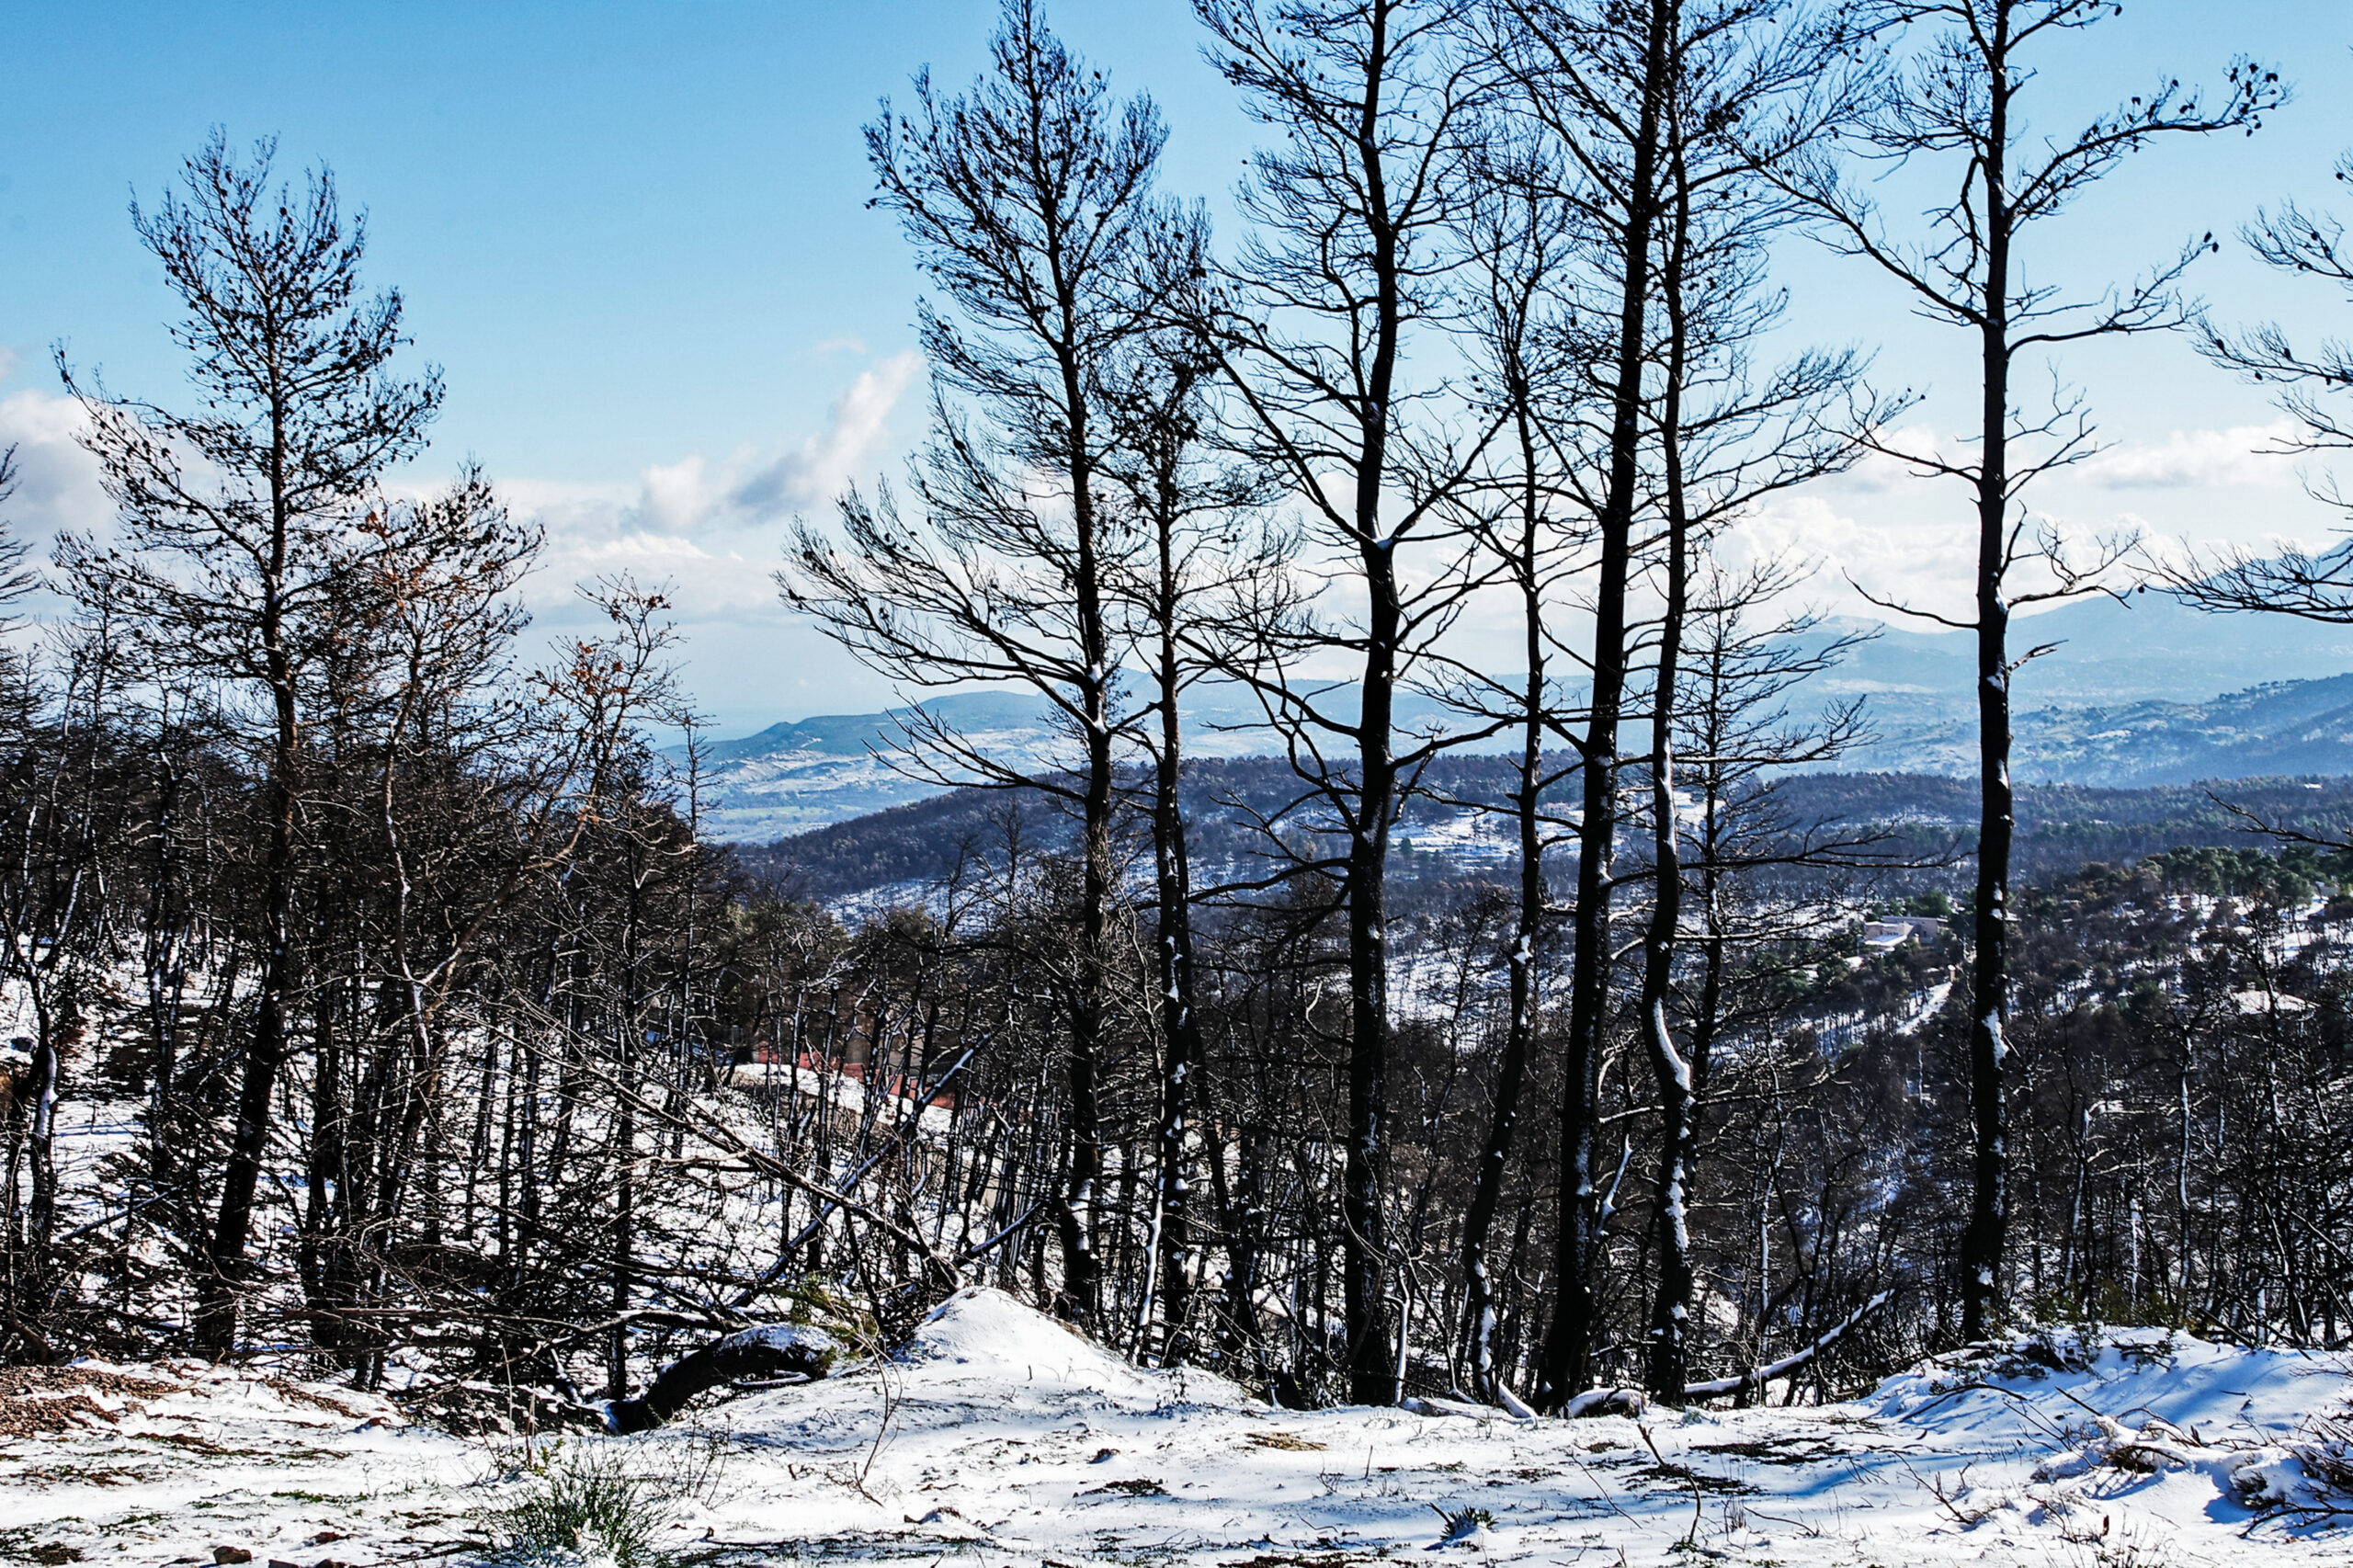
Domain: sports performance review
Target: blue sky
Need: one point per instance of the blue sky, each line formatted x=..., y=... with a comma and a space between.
x=634, y=237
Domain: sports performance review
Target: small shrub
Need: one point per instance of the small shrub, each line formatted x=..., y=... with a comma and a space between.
x=583, y=1506
x=1462, y=1524
x=2109, y=1304
x=821, y=1303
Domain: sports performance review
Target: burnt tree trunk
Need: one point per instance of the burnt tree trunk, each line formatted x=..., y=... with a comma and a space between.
x=1983, y=1240
x=1568, y=1350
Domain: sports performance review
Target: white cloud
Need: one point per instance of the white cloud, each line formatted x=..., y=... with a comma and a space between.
x=58, y=484
x=531, y=496
x=2248, y=455
x=1912, y=552
x=824, y=464
x=1880, y=471
x=1911, y=538
x=710, y=525
x=747, y=488
x=2196, y=460
x=681, y=495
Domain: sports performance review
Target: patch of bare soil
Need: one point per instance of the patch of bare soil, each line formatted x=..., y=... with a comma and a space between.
x=38, y=1401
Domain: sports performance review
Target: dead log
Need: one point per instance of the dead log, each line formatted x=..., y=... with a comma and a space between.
x=1606, y=1402
x=1748, y=1383
x=773, y=1350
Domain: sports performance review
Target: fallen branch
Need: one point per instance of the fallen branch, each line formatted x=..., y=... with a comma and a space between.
x=830, y=1200
x=1756, y=1377
x=773, y=1350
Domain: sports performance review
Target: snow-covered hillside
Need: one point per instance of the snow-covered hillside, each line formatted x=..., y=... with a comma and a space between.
x=999, y=1438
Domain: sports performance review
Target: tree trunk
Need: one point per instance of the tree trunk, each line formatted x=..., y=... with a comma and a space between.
x=1511, y=1073
x=266, y=1053
x=318, y=1258
x=1372, y=1367
x=1179, y=1026
x=39, y=1274
x=1082, y=1268
x=1669, y=1361
x=1373, y=1372
x=1568, y=1348
x=1984, y=1238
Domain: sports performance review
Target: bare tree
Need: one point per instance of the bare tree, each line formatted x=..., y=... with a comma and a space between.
x=1740, y=742
x=240, y=522
x=16, y=578
x=1028, y=200
x=1728, y=436
x=2309, y=384
x=1598, y=78
x=1527, y=353
x=1356, y=206
x=1188, y=505
x=50, y=917
x=462, y=784
x=1958, y=102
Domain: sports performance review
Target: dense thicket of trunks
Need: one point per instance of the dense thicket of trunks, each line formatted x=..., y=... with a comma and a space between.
x=660, y=1103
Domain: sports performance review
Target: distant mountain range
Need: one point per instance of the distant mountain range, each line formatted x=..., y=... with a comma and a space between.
x=808, y=773
x=2107, y=651
x=2135, y=693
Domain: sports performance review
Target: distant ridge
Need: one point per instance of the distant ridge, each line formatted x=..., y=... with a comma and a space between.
x=851, y=734
x=2138, y=692
x=2146, y=645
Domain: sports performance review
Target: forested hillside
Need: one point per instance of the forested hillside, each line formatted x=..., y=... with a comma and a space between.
x=1457, y=827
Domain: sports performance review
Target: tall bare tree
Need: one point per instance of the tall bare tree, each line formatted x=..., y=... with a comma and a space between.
x=2309, y=382
x=1597, y=77
x=1356, y=206
x=1527, y=357
x=1188, y=506
x=1728, y=436
x=1959, y=103
x=1028, y=199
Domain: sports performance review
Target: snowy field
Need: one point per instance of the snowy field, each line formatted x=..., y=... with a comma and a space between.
x=1000, y=1438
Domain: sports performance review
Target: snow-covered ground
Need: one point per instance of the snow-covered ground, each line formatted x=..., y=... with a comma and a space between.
x=999, y=1438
